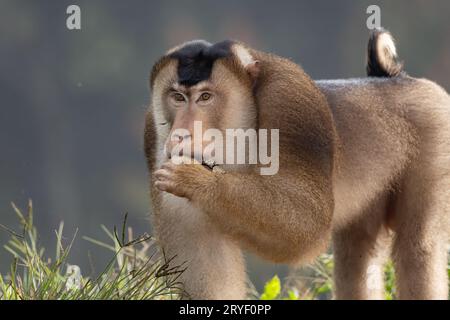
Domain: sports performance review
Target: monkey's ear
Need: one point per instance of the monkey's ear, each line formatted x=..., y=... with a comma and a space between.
x=247, y=61
x=253, y=69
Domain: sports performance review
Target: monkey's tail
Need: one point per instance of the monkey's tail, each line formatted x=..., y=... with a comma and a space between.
x=382, y=60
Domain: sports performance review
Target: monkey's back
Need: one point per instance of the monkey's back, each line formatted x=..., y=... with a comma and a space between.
x=384, y=125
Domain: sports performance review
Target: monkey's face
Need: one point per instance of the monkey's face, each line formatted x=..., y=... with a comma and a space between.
x=219, y=103
x=193, y=102
x=192, y=110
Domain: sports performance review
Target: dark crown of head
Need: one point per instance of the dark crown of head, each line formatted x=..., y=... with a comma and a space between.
x=196, y=59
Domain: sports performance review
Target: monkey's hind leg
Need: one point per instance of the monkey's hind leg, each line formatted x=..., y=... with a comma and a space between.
x=420, y=247
x=360, y=252
x=214, y=264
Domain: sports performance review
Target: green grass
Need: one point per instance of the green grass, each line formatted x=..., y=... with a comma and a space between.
x=315, y=282
x=308, y=283
x=135, y=272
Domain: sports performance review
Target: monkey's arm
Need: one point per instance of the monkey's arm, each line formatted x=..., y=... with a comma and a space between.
x=281, y=217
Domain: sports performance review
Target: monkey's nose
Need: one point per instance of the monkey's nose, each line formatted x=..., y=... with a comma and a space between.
x=178, y=141
x=181, y=138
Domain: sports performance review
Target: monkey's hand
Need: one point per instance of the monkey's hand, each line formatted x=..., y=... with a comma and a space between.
x=183, y=180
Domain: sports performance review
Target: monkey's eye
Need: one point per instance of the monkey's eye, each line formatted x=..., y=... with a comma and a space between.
x=178, y=97
x=205, y=96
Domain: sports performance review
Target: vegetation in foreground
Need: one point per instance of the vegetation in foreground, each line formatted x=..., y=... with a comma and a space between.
x=135, y=272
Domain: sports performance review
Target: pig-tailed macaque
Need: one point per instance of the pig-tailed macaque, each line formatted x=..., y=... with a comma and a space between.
x=364, y=162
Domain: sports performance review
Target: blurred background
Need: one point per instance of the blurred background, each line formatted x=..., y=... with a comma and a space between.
x=72, y=103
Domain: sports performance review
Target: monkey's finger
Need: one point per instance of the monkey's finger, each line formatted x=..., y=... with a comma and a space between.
x=164, y=186
x=162, y=174
x=168, y=166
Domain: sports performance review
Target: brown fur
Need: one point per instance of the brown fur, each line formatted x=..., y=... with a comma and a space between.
x=349, y=150
x=394, y=166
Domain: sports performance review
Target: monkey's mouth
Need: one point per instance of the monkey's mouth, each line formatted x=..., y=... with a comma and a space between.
x=209, y=164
